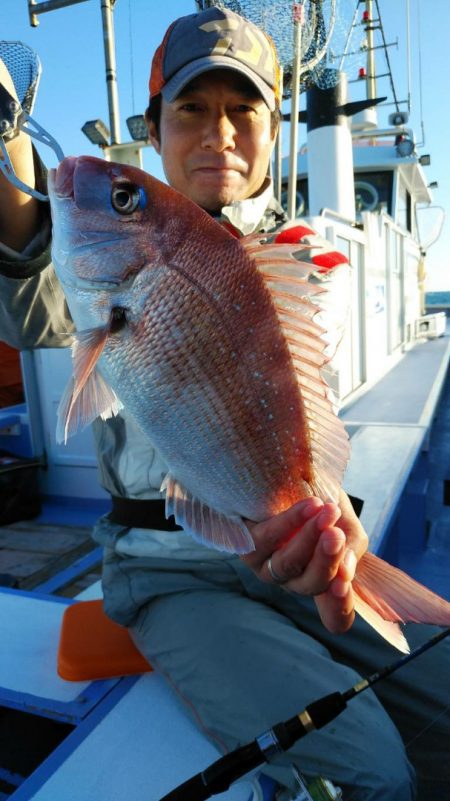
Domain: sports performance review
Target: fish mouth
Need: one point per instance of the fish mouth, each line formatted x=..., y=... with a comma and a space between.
x=61, y=180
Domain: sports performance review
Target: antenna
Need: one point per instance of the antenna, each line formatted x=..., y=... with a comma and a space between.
x=386, y=53
x=422, y=127
x=408, y=51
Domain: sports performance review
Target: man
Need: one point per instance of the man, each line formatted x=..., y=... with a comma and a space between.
x=239, y=638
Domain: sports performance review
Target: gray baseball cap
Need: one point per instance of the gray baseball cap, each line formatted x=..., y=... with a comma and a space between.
x=215, y=39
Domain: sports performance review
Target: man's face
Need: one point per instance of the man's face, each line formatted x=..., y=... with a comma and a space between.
x=215, y=140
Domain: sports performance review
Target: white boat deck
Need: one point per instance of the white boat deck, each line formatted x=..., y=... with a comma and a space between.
x=401, y=461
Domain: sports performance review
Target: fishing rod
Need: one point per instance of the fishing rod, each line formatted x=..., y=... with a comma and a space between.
x=221, y=774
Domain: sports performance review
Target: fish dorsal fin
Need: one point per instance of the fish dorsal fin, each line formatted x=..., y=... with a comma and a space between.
x=87, y=394
x=304, y=311
x=205, y=525
x=396, y=596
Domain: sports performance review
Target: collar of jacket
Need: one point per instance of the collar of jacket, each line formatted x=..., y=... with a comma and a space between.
x=260, y=213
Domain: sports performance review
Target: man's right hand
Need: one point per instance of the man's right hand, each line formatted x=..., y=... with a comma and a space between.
x=19, y=212
x=315, y=548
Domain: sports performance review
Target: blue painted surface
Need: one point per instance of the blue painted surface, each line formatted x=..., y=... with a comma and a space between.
x=14, y=779
x=60, y=754
x=441, y=299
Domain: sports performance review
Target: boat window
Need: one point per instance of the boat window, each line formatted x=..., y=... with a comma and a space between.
x=404, y=216
x=302, y=201
x=373, y=191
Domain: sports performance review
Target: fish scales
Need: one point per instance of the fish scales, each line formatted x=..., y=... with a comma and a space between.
x=214, y=346
x=223, y=400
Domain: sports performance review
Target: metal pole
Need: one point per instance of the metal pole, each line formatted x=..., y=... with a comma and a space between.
x=35, y=8
x=277, y=159
x=371, y=77
x=110, y=65
x=295, y=102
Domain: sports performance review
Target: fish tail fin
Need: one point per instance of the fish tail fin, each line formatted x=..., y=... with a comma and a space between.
x=389, y=630
x=385, y=594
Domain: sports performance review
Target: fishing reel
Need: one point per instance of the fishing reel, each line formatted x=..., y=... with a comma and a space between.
x=24, y=68
x=316, y=789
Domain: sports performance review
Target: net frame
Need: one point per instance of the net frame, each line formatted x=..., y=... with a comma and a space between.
x=276, y=18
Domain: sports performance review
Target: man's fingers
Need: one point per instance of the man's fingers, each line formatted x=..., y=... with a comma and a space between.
x=271, y=534
x=336, y=606
x=310, y=571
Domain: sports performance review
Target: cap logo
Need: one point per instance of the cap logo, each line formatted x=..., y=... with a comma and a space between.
x=250, y=57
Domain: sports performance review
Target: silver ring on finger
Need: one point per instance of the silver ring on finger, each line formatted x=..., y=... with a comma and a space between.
x=277, y=579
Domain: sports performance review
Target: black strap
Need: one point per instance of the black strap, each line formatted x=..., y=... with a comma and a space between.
x=133, y=513
x=357, y=504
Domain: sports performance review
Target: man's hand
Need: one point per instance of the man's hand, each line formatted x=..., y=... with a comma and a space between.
x=314, y=547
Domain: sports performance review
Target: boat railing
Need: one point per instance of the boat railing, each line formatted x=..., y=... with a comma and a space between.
x=325, y=212
x=381, y=133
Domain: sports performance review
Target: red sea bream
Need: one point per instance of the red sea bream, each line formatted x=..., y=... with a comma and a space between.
x=214, y=345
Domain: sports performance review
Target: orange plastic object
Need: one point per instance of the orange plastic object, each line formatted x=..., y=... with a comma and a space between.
x=92, y=646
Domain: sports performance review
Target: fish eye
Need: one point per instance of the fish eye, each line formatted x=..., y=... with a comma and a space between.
x=126, y=198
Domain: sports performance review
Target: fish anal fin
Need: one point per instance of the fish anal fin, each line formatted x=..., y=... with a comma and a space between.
x=397, y=596
x=205, y=525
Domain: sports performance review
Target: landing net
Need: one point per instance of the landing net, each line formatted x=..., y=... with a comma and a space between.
x=327, y=28
x=25, y=69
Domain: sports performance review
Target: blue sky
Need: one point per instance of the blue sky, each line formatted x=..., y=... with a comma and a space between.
x=73, y=89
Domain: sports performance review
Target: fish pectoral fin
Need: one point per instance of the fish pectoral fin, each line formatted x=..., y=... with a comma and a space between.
x=395, y=597
x=87, y=394
x=205, y=525
x=75, y=411
x=386, y=628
